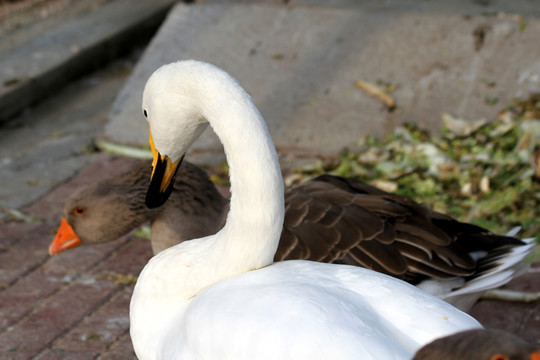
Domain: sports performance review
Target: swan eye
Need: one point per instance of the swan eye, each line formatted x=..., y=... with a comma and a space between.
x=145, y=113
x=79, y=211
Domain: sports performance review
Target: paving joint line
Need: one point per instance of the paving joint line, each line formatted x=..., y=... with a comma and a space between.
x=112, y=345
x=118, y=288
x=62, y=287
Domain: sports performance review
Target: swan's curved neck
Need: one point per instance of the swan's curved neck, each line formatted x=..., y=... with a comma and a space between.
x=251, y=234
x=255, y=219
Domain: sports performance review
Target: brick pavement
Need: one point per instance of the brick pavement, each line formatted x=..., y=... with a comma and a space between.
x=74, y=306
x=71, y=306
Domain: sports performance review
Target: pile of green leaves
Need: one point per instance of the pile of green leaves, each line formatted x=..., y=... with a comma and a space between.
x=477, y=171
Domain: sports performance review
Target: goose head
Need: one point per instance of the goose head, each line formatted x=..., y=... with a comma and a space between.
x=171, y=106
x=104, y=211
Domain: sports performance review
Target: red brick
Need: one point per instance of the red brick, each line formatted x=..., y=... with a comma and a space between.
x=528, y=281
x=130, y=259
x=37, y=285
x=14, y=354
x=102, y=328
x=121, y=350
x=11, y=232
x=79, y=260
x=500, y=315
x=21, y=298
x=59, y=313
x=29, y=251
x=59, y=354
x=530, y=328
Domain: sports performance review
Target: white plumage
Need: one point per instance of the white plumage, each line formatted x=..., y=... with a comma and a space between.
x=220, y=297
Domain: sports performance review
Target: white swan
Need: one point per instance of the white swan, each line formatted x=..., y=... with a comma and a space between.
x=219, y=297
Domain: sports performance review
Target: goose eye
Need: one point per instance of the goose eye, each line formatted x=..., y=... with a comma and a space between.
x=499, y=357
x=145, y=113
x=78, y=211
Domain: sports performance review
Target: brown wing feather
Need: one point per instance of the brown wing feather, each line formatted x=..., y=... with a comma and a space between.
x=424, y=230
x=320, y=239
x=342, y=220
x=387, y=257
x=433, y=262
x=290, y=247
x=296, y=208
x=388, y=235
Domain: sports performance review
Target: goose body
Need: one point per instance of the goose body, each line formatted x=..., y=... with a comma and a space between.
x=328, y=219
x=220, y=296
x=479, y=344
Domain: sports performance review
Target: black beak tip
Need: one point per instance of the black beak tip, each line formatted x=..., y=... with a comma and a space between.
x=155, y=201
x=155, y=198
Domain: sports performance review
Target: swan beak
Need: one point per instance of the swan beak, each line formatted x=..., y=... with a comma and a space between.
x=65, y=239
x=162, y=180
x=535, y=355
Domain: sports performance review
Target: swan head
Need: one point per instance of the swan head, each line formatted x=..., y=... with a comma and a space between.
x=171, y=105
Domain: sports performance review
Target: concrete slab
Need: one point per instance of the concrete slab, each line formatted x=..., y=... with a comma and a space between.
x=300, y=63
x=39, y=59
x=50, y=143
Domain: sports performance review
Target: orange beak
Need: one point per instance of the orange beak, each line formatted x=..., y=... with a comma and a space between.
x=535, y=355
x=65, y=239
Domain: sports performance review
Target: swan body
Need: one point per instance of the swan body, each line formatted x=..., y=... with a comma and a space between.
x=220, y=296
x=307, y=310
